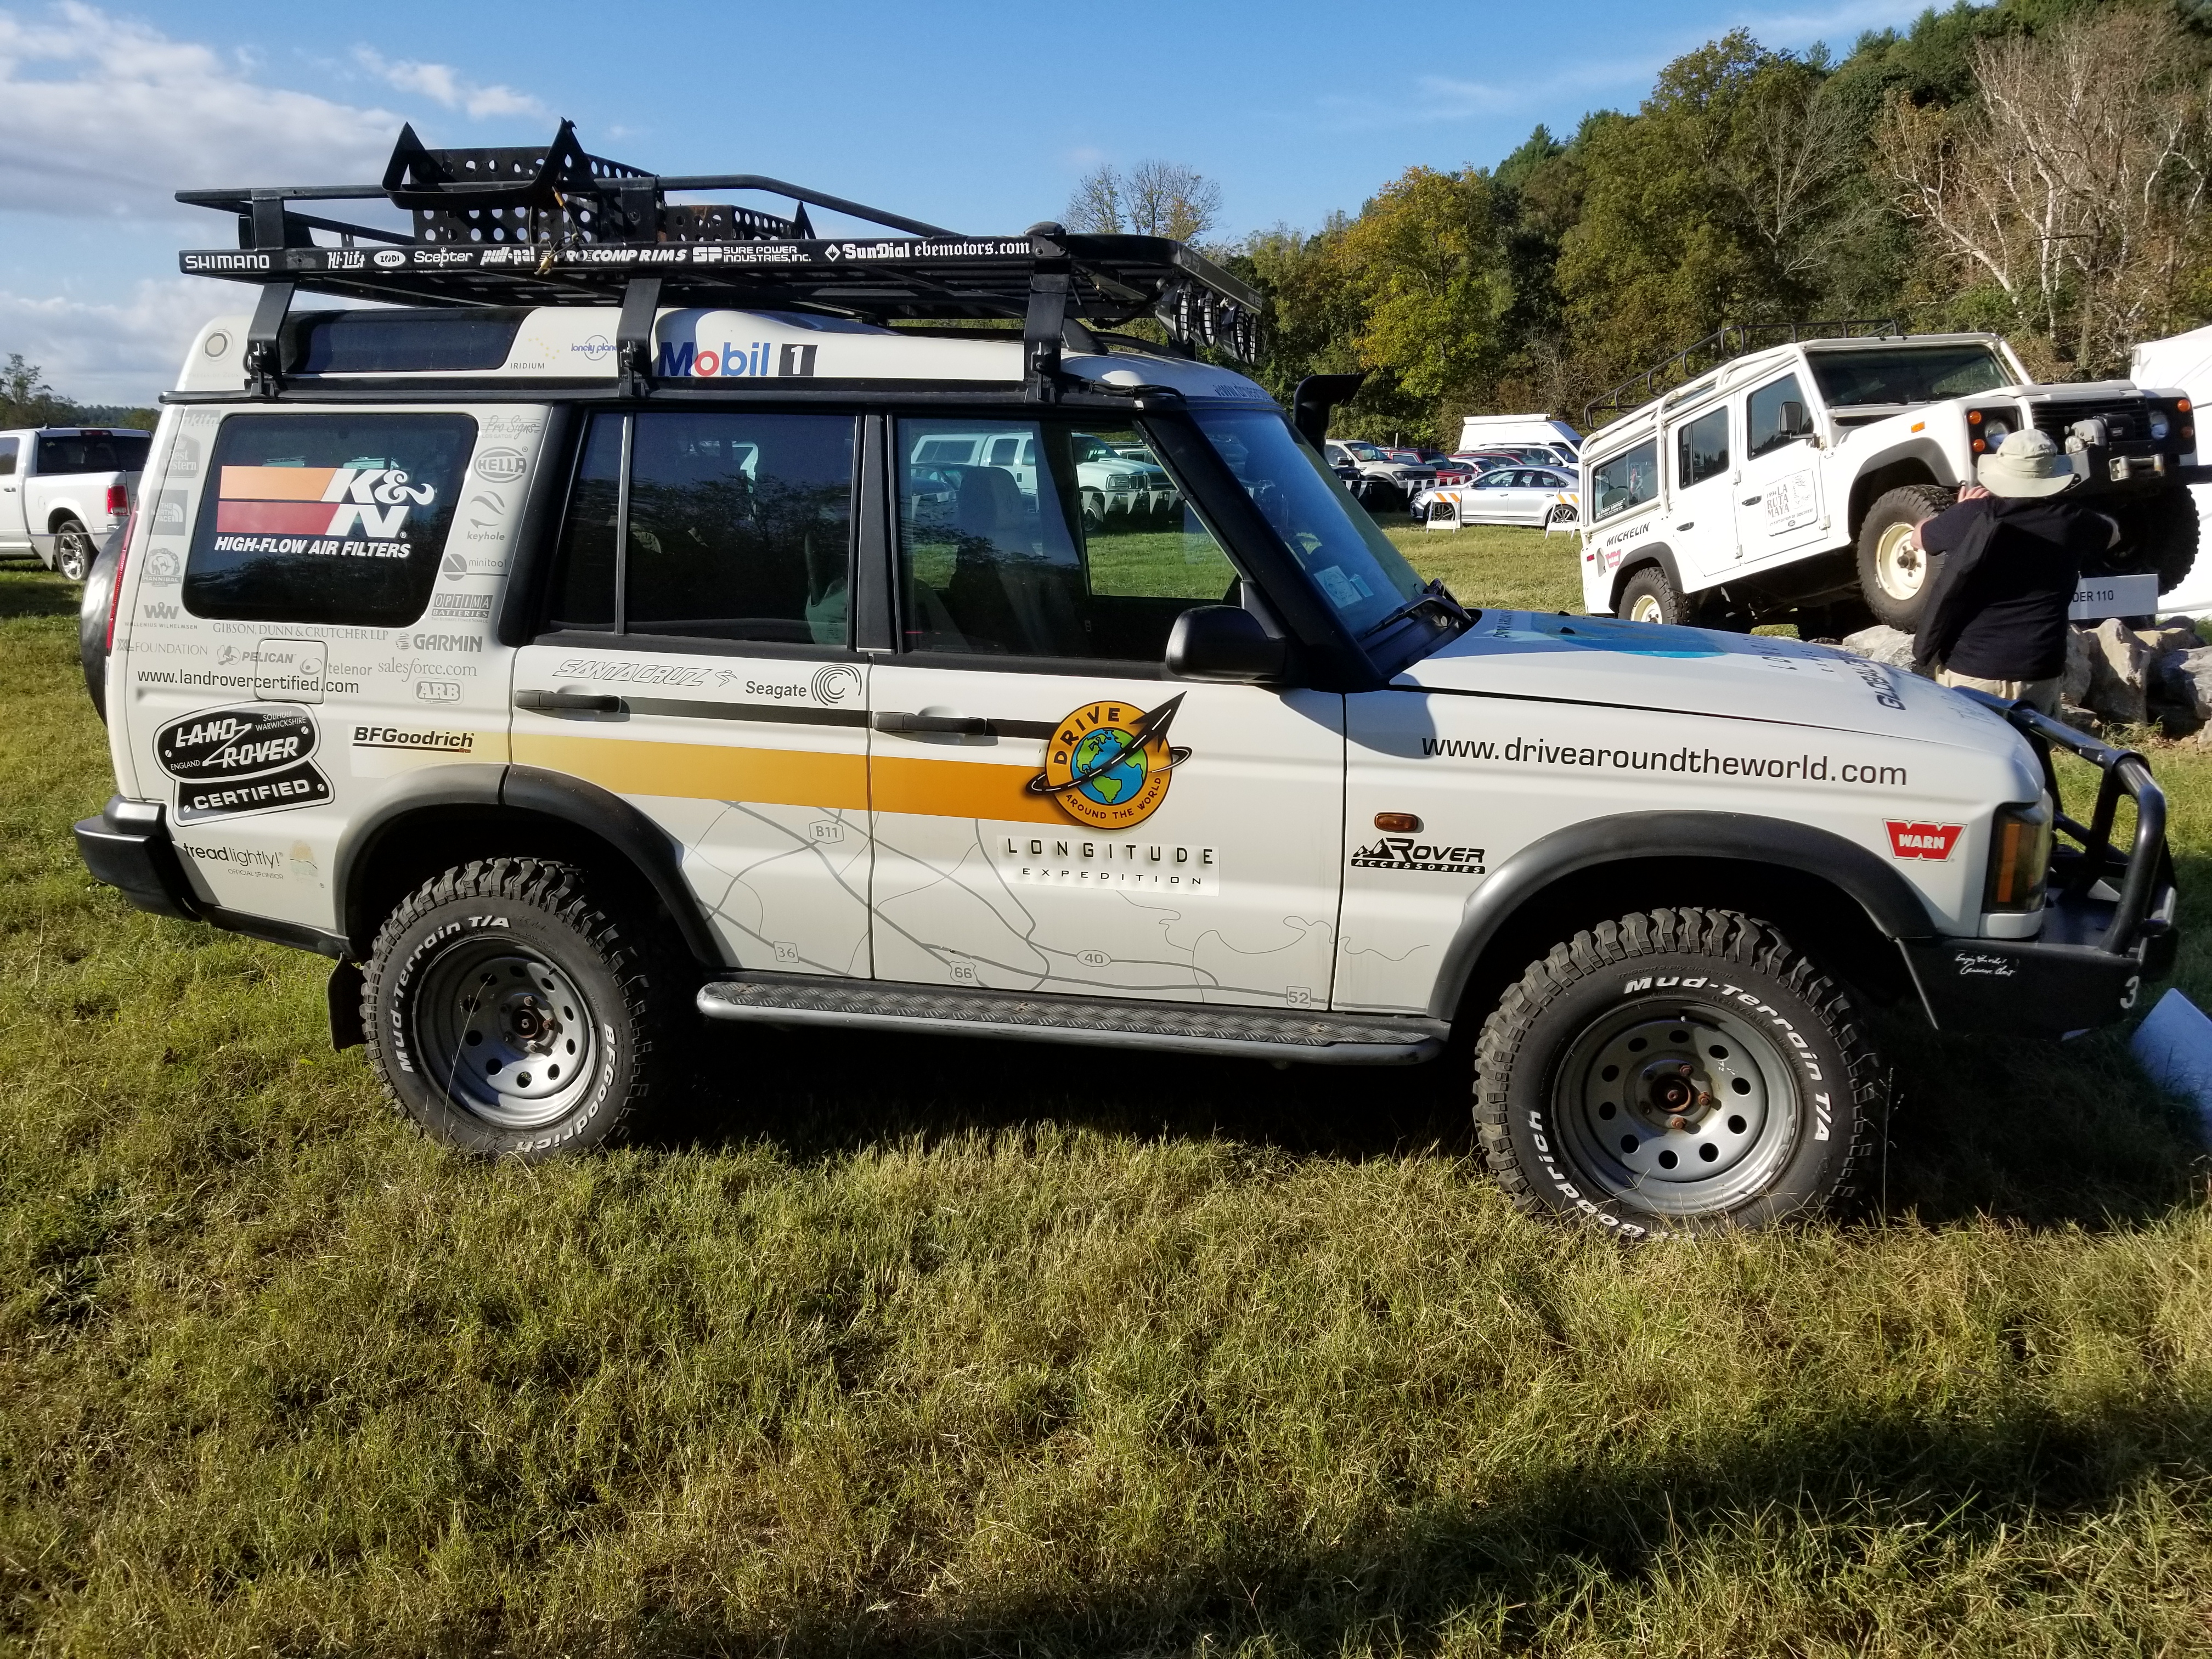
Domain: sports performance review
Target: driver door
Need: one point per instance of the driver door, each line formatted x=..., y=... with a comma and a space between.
x=1050, y=811
x=1779, y=508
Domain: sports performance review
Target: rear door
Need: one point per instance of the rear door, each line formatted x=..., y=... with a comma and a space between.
x=1052, y=813
x=696, y=658
x=1701, y=506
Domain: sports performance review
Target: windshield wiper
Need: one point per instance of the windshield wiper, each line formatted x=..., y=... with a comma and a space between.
x=1435, y=593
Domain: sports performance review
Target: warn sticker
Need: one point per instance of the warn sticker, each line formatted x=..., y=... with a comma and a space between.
x=1924, y=841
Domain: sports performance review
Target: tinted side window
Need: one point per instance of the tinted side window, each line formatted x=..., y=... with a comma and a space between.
x=7, y=457
x=326, y=517
x=1768, y=427
x=740, y=526
x=1701, y=448
x=95, y=451
x=583, y=589
x=1626, y=480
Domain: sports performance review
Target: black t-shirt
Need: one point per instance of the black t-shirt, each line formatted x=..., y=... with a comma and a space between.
x=2006, y=617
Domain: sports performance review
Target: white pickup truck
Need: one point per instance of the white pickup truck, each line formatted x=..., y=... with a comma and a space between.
x=64, y=490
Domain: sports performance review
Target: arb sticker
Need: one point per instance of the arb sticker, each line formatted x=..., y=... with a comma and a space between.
x=1924, y=841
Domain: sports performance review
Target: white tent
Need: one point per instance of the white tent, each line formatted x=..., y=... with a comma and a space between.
x=2185, y=363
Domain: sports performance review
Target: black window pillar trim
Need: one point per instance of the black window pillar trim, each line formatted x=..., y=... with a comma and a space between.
x=1329, y=657
x=634, y=336
x=873, y=614
x=538, y=538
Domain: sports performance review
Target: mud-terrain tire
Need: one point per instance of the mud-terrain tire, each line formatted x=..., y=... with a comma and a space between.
x=1893, y=580
x=511, y=1016
x=2158, y=534
x=1584, y=1113
x=73, y=549
x=1647, y=596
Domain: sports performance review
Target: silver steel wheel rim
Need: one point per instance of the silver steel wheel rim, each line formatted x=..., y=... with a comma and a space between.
x=505, y=1033
x=1669, y=1141
x=72, y=555
x=1645, y=609
x=1899, y=567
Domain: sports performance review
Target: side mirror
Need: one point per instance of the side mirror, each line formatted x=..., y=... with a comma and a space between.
x=1221, y=642
x=1796, y=423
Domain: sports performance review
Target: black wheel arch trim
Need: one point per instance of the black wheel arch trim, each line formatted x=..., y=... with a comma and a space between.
x=1887, y=898
x=650, y=850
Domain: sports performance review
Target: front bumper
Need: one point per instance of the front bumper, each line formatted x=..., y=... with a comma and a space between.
x=2108, y=929
x=128, y=847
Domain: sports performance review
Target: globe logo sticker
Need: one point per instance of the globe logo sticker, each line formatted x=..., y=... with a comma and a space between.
x=1106, y=764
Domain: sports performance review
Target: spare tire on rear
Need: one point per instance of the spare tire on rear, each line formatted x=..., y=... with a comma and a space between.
x=92, y=624
x=1895, y=576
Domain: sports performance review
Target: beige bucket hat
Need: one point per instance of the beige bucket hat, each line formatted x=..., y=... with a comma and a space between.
x=2026, y=463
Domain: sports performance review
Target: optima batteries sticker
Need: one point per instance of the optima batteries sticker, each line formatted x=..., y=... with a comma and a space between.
x=251, y=758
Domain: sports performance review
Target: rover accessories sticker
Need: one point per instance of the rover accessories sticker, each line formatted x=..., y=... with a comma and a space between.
x=249, y=757
x=1924, y=841
x=1107, y=763
x=1405, y=853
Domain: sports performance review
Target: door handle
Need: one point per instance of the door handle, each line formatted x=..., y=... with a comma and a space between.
x=588, y=702
x=1752, y=501
x=965, y=726
x=1688, y=525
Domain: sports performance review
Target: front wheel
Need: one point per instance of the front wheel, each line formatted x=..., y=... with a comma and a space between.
x=1676, y=1072
x=1894, y=575
x=509, y=1015
x=73, y=549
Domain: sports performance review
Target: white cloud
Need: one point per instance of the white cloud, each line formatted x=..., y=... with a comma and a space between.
x=101, y=115
x=115, y=354
x=442, y=84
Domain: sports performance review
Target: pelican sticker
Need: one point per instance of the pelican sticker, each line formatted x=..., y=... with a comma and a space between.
x=1106, y=764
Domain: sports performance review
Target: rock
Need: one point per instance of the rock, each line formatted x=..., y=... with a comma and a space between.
x=2080, y=660
x=1892, y=646
x=2081, y=719
x=2184, y=680
x=2174, y=633
x=2118, y=667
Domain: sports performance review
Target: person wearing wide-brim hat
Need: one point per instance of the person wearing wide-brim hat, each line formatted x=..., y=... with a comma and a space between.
x=2014, y=546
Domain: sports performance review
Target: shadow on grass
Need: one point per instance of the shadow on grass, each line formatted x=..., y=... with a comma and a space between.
x=27, y=588
x=2042, y=1134
x=1609, y=1539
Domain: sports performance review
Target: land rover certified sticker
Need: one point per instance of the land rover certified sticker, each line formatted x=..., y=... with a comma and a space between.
x=251, y=758
x=1924, y=841
x=1404, y=852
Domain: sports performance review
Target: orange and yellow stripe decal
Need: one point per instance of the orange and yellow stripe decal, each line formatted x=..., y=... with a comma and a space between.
x=794, y=777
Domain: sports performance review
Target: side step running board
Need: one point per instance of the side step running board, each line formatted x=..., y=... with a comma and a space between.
x=1194, y=1028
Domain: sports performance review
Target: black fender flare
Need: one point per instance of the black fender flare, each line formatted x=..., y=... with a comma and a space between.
x=1656, y=553
x=650, y=850
x=1926, y=451
x=1887, y=898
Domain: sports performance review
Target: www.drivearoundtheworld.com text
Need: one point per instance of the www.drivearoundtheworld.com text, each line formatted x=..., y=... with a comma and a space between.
x=1696, y=763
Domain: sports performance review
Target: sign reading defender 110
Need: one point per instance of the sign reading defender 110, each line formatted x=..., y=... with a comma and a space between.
x=1786, y=483
x=1032, y=687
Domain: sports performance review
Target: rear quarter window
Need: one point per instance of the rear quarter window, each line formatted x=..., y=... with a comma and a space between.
x=331, y=518
x=1624, y=481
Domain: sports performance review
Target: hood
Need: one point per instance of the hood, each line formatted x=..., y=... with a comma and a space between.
x=1695, y=671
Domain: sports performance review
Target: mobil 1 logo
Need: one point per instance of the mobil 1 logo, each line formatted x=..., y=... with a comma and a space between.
x=249, y=757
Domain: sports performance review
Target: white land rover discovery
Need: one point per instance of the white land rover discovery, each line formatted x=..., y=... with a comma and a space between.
x=565, y=704
x=1783, y=483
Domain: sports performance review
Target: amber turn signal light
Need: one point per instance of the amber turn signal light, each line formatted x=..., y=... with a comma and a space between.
x=1404, y=824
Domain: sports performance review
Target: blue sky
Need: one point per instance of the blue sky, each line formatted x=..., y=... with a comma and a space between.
x=977, y=117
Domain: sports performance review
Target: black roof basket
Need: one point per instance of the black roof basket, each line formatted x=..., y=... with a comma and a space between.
x=1717, y=348
x=555, y=226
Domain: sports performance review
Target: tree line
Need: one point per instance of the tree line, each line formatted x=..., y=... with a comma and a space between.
x=2035, y=168
x=26, y=399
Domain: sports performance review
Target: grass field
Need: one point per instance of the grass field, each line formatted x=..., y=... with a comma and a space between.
x=889, y=1346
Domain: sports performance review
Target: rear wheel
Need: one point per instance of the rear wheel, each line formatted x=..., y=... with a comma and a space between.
x=73, y=549
x=1894, y=575
x=510, y=1015
x=1650, y=596
x=1678, y=1071
x=1561, y=514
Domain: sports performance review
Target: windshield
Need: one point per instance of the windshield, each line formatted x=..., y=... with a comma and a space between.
x=1350, y=560
x=1363, y=452
x=1906, y=374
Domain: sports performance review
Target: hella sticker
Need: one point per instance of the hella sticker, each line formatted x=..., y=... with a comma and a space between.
x=1924, y=841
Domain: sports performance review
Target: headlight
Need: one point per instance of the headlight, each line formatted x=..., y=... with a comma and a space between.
x=2019, y=858
x=1988, y=427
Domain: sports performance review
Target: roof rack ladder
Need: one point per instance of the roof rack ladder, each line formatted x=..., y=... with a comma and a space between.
x=1045, y=325
x=634, y=336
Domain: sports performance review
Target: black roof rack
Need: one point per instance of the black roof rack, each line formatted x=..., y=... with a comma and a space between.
x=555, y=226
x=1717, y=348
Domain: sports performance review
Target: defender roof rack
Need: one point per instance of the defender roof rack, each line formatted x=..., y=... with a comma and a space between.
x=1717, y=348
x=555, y=226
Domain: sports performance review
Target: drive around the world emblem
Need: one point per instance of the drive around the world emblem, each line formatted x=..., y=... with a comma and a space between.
x=1107, y=763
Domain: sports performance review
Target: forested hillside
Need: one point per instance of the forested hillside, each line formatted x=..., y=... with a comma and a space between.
x=2037, y=167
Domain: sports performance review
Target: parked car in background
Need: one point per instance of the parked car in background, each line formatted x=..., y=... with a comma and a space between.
x=1483, y=460
x=1374, y=462
x=1493, y=431
x=1520, y=495
x=64, y=490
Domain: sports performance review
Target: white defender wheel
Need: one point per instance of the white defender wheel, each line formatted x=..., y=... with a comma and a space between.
x=1649, y=597
x=1894, y=575
x=1676, y=1072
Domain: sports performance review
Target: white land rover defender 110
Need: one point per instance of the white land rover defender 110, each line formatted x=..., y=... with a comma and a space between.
x=1785, y=481
x=603, y=640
